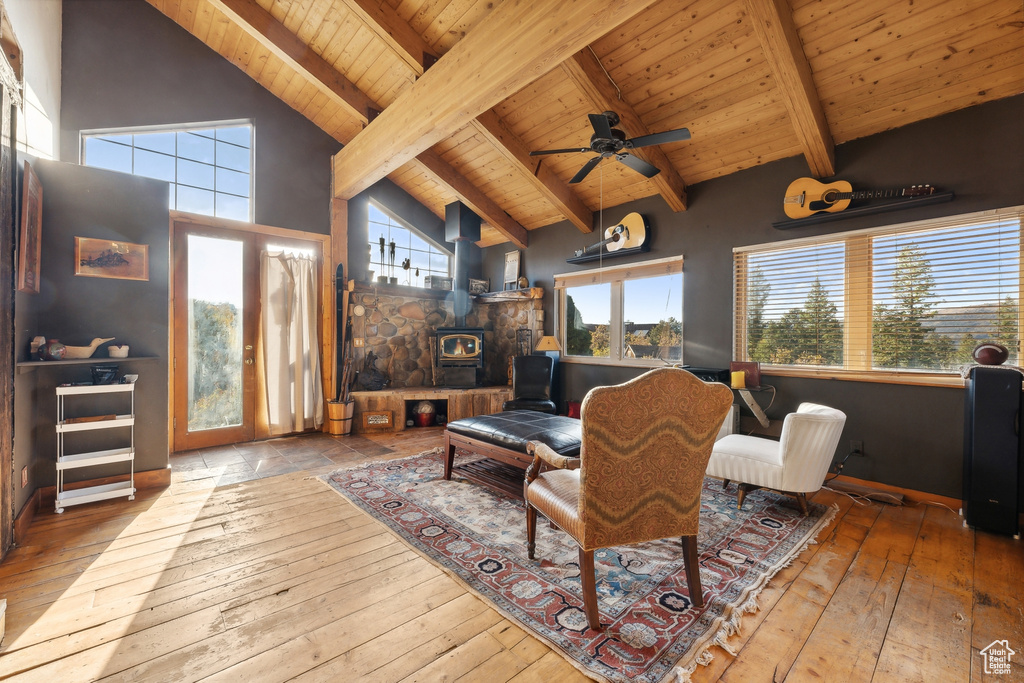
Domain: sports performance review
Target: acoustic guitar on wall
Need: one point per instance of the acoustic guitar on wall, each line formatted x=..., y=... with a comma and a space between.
x=630, y=233
x=806, y=196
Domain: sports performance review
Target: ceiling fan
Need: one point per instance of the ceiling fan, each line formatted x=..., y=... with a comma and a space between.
x=608, y=142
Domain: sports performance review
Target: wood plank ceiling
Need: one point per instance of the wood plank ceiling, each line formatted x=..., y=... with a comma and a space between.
x=753, y=80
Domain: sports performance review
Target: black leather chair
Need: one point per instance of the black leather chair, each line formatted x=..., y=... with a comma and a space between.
x=531, y=384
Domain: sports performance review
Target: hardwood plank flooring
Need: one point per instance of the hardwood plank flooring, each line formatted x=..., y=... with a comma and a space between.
x=247, y=569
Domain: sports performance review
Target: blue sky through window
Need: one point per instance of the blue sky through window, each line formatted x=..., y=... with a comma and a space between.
x=209, y=169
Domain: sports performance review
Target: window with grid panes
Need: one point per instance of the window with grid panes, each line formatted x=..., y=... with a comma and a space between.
x=629, y=314
x=909, y=298
x=425, y=257
x=208, y=166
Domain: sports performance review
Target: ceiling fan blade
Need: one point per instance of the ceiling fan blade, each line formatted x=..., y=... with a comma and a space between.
x=601, y=126
x=585, y=171
x=638, y=165
x=560, y=151
x=659, y=138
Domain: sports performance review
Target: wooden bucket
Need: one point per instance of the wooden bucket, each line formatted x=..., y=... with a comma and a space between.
x=339, y=417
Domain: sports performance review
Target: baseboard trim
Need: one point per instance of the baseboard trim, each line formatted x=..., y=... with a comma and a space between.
x=24, y=519
x=910, y=494
x=44, y=497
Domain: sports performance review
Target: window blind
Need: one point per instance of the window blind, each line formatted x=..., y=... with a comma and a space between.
x=917, y=296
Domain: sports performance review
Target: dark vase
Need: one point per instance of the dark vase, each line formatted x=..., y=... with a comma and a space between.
x=52, y=350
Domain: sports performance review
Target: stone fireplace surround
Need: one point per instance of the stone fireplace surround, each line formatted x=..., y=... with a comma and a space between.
x=400, y=322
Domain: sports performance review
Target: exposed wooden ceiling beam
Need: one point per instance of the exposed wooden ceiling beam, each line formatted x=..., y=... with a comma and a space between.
x=485, y=207
x=490, y=125
x=774, y=26
x=385, y=21
x=514, y=45
x=285, y=45
x=403, y=40
x=274, y=36
x=585, y=70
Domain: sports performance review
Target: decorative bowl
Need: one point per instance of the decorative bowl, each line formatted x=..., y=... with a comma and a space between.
x=116, y=351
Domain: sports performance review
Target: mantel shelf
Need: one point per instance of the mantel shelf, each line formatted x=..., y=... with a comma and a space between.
x=29, y=366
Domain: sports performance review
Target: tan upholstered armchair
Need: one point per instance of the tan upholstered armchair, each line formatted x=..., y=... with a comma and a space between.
x=645, y=446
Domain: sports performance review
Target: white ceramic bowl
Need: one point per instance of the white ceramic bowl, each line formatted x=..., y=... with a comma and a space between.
x=118, y=351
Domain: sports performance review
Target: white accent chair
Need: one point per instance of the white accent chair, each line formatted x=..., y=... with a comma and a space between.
x=795, y=465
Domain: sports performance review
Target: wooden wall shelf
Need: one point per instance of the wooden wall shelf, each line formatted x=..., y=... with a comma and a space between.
x=30, y=365
x=866, y=210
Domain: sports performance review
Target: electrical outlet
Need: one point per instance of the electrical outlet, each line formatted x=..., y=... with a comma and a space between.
x=857, y=447
x=24, y=476
x=357, y=342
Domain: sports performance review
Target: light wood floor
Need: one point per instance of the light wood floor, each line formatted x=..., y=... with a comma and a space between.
x=268, y=578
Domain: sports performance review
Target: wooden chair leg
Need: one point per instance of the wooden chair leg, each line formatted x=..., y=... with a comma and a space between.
x=740, y=495
x=725, y=483
x=802, y=499
x=531, y=530
x=589, y=582
x=692, y=567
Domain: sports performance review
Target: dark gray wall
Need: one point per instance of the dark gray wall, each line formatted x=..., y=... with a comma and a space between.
x=126, y=64
x=405, y=207
x=86, y=202
x=912, y=435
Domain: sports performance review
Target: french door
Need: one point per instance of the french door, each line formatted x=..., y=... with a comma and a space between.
x=215, y=315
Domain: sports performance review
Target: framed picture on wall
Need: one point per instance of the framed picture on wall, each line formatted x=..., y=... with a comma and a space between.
x=109, y=258
x=511, y=279
x=30, y=246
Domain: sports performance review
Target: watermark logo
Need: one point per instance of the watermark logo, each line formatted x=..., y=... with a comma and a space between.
x=997, y=657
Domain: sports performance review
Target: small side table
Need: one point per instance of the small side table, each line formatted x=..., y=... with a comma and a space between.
x=752, y=403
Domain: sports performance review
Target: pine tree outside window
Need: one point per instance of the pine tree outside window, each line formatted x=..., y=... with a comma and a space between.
x=911, y=299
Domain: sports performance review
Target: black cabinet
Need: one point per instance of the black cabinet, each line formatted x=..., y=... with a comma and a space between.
x=992, y=450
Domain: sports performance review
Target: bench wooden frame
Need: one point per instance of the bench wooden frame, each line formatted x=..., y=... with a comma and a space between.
x=506, y=471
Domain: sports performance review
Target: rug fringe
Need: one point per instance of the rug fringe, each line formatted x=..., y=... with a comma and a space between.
x=730, y=624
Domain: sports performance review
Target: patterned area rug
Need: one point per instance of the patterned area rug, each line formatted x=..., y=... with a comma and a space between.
x=652, y=631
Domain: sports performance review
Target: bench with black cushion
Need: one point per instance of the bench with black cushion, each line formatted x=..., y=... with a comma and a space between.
x=503, y=438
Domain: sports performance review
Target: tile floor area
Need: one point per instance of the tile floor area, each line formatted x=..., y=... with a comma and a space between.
x=315, y=452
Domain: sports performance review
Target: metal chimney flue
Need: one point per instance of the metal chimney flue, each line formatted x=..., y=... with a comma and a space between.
x=462, y=227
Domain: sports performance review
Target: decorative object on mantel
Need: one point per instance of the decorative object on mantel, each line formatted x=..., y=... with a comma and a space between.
x=118, y=350
x=655, y=632
x=479, y=286
x=111, y=259
x=30, y=245
x=628, y=237
x=86, y=351
x=52, y=350
x=511, y=277
x=989, y=353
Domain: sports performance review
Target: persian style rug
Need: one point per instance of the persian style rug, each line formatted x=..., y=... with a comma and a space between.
x=652, y=630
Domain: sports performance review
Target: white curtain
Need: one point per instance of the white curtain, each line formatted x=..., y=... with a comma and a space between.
x=291, y=355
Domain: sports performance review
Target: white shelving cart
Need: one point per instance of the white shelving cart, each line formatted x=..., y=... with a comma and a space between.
x=126, y=453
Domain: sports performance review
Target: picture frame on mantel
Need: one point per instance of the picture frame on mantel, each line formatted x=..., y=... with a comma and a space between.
x=30, y=246
x=111, y=259
x=511, y=278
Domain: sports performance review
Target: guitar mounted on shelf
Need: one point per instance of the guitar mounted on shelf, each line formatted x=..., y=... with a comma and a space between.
x=627, y=237
x=806, y=196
